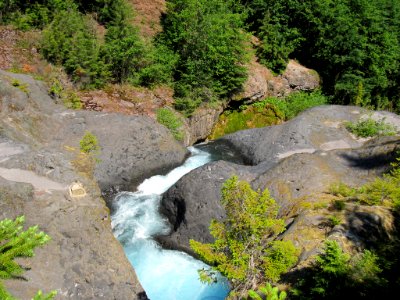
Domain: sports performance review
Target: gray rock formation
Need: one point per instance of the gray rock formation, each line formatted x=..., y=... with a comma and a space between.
x=200, y=124
x=262, y=83
x=40, y=158
x=83, y=260
x=295, y=160
x=131, y=147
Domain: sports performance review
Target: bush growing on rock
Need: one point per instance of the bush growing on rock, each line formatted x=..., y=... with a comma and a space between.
x=89, y=143
x=170, y=120
x=244, y=249
x=295, y=103
x=381, y=191
x=336, y=274
x=369, y=127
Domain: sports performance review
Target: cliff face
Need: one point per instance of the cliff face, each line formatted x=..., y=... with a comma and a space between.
x=40, y=159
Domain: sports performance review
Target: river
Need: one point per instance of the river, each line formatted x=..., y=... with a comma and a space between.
x=164, y=274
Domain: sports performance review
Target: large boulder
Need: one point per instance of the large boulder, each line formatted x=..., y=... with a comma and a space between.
x=297, y=160
x=132, y=148
x=193, y=201
x=262, y=83
x=83, y=260
x=40, y=158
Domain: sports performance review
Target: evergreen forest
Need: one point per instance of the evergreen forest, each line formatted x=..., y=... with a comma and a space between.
x=204, y=45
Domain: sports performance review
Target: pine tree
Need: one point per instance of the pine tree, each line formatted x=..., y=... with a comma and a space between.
x=245, y=250
x=14, y=243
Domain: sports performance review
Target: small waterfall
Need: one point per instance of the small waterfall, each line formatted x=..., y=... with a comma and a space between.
x=164, y=274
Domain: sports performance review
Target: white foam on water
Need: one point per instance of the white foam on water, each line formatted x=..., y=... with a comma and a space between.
x=159, y=184
x=164, y=274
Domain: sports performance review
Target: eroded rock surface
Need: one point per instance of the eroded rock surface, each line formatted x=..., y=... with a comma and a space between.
x=200, y=124
x=40, y=158
x=297, y=161
x=131, y=147
x=83, y=260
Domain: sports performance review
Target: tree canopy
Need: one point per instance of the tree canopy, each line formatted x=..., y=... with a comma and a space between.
x=208, y=38
x=353, y=44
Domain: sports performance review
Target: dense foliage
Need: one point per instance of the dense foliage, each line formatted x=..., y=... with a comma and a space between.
x=381, y=191
x=335, y=274
x=244, y=250
x=15, y=243
x=269, y=111
x=33, y=13
x=210, y=44
x=170, y=120
x=353, y=44
x=73, y=38
x=70, y=40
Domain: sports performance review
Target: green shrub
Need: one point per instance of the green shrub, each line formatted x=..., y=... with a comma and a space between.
x=71, y=100
x=68, y=96
x=339, y=204
x=279, y=105
x=341, y=189
x=335, y=275
x=381, y=191
x=41, y=296
x=22, y=86
x=294, y=104
x=267, y=292
x=334, y=220
x=332, y=267
x=170, y=120
x=365, y=269
x=369, y=127
x=244, y=250
x=55, y=89
x=89, y=143
x=300, y=101
x=279, y=258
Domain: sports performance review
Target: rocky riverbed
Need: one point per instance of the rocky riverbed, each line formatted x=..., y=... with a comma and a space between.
x=297, y=161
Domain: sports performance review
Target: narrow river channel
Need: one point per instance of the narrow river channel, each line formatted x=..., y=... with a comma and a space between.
x=164, y=274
